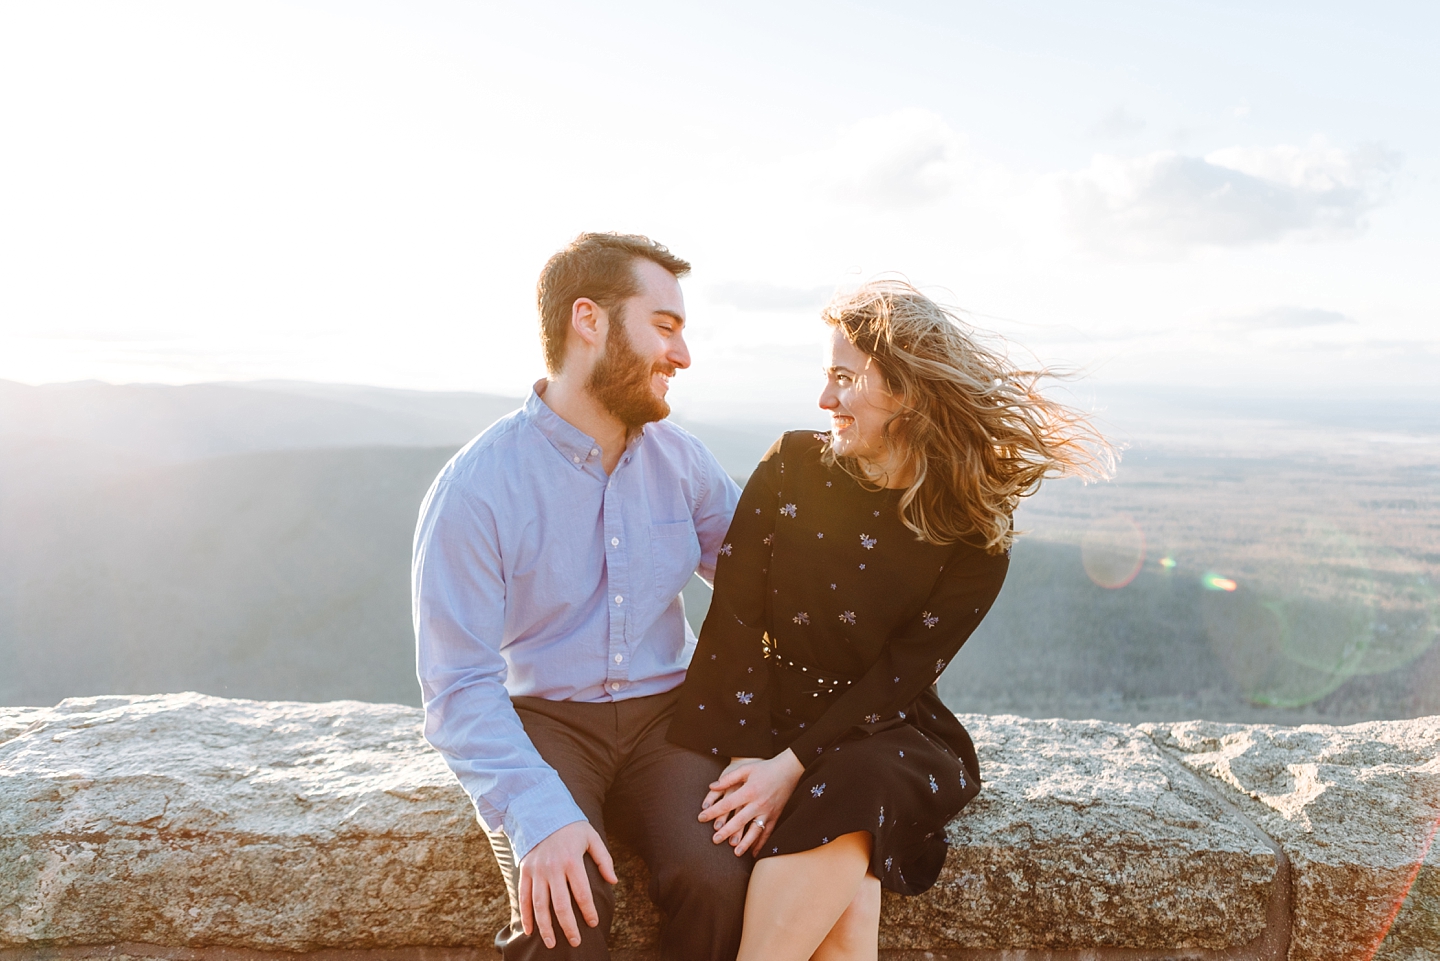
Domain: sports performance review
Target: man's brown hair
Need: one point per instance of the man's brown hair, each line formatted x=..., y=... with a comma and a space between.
x=597, y=266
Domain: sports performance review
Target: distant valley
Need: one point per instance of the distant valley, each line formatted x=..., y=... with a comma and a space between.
x=253, y=541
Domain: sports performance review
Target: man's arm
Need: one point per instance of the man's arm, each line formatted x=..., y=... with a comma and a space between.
x=459, y=611
x=713, y=510
x=458, y=589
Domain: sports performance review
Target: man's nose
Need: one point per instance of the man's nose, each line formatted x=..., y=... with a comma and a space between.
x=678, y=353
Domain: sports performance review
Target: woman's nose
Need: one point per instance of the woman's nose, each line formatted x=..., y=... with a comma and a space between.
x=828, y=401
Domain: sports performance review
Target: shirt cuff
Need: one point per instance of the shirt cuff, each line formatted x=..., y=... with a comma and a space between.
x=538, y=813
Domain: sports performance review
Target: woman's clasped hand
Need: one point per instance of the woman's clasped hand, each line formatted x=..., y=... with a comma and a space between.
x=746, y=801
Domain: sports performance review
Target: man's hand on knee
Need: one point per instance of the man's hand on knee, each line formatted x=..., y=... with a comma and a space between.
x=552, y=872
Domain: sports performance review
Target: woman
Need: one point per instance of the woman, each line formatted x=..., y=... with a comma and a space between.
x=857, y=564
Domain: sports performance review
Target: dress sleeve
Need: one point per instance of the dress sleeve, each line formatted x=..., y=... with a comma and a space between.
x=913, y=658
x=724, y=704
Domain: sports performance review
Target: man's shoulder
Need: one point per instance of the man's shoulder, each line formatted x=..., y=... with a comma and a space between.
x=490, y=453
x=671, y=436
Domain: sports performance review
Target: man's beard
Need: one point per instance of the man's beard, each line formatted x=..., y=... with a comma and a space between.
x=620, y=380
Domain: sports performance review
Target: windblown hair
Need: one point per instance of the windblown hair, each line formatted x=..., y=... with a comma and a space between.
x=600, y=267
x=972, y=426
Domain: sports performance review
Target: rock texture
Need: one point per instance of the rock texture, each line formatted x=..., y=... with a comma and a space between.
x=198, y=824
x=1355, y=808
x=1087, y=836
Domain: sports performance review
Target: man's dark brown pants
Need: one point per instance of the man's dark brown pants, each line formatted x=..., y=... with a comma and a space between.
x=632, y=782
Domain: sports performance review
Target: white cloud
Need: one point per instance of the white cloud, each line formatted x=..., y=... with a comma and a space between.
x=1118, y=124
x=1289, y=318
x=1164, y=203
x=900, y=160
x=768, y=297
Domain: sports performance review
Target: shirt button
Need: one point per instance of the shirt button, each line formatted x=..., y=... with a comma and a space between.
x=614, y=542
x=576, y=458
x=619, y=599
x=619, y=658
x=615, y=685
x=594, y=452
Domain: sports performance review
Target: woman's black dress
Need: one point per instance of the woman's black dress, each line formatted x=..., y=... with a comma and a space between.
x=829, y=625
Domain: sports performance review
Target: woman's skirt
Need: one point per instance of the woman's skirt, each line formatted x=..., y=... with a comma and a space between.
x=901, y=780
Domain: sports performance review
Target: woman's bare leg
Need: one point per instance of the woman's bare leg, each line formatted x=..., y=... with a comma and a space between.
x=794, y=900
x=856, y=936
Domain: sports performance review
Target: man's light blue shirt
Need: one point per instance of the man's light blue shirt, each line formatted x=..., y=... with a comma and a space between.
x=536, y=574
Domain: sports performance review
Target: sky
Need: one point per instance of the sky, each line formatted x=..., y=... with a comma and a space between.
x=1211, y=195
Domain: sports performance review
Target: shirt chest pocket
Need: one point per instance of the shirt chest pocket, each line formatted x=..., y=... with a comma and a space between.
x=669, y=529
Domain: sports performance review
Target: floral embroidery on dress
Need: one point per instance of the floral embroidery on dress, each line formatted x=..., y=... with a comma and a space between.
x=888, y=862
x=902, y=753
x=820, y=436
x=742, y=722
x=744, y=697
x=876, y=513
x=939, y=666
x=818, y=789
x=848, y=617
x=882, y=815
x=934, y=788
x=820, y=535
x=862, y=567
x=801, y=618
x=930, y=620
x=725, y=549
x=702, y=707
x=868, y=541
x=832, y=587
x=872, y=718
x=827, y=484
x=714, y=750
x=962, y=780
x=902, y=715
x=788, y=510
x=769, y=539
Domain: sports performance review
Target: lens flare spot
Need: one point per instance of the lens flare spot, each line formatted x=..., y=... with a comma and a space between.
x=1168, y=563
x=1113, y=551
x=1214, y=582
x=1314, y=614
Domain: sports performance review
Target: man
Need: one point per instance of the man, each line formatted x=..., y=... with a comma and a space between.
x=549, y=559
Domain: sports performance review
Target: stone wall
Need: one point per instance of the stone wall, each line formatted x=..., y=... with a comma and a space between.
x=202, y=829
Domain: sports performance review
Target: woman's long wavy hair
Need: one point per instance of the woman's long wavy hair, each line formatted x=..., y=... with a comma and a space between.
x=972, y=427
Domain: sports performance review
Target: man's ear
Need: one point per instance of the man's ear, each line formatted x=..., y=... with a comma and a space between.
x=589, y=321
